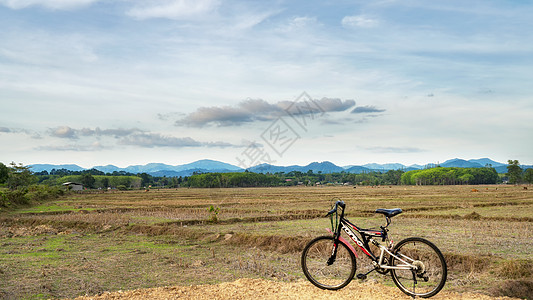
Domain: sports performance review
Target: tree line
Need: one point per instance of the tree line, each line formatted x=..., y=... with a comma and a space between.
x=95, y=179
x=450, y=176
x=20, y=183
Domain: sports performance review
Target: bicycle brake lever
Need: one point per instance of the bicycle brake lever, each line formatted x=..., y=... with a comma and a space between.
x=331, y=211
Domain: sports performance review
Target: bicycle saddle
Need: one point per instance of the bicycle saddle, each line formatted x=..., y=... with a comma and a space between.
x=389, y=213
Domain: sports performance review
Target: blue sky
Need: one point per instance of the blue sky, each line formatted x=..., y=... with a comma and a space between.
x=96, y=82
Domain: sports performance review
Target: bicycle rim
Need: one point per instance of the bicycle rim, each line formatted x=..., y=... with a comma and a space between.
x=430, y=275
x=315, y=267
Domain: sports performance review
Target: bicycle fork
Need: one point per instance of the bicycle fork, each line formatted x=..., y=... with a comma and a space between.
x=333, y=256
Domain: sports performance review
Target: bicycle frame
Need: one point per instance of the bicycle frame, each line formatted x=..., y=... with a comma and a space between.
x=363, y=244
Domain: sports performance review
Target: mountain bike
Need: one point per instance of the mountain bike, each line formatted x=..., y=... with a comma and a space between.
x=416, y=265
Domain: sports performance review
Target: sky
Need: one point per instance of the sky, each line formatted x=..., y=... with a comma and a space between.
x=130, y=82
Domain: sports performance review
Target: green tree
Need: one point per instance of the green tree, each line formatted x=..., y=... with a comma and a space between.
x=466, y=178
x=105, y=182
x=514, y=171
x=528, y=175
x=88, y=180
x=19, y=176
x=146, y=179
x=393, y=177
x=4, y=173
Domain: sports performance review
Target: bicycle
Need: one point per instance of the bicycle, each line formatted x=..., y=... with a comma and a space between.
x=417, y=266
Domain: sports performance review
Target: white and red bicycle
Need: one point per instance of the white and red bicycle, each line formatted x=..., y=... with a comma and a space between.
x=416, y=265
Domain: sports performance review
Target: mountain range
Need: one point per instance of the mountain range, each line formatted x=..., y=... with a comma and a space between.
x=207, y=165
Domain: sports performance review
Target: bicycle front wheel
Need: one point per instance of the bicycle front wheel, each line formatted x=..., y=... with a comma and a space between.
x=332, y=276
x=421, y=267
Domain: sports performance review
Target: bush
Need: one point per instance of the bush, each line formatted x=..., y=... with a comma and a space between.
x=43, y=192
x=16, y=197
x=3, y=200
x=34, y=193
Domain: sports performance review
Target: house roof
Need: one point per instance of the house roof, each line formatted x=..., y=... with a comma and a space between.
x=72, y=183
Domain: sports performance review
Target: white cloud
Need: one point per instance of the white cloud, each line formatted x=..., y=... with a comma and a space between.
x=51, y=4
x=172, y=9
x=63, y=132
x=299, y=24
x=359, y=21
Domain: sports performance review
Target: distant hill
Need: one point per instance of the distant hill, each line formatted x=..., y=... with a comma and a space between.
x=48, y=167
x=460, y=163
x=207, y=165
x=322, y=167
x=358, y=170
x=154, y=169
x=268, y=168
x=487, y=161
x=393, y=166
x=108, y=168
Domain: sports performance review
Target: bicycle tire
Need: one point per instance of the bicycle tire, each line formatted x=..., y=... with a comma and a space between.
x=314, y=263
x=431, y=274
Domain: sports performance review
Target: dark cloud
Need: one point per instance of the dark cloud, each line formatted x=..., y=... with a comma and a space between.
x=125, y=136
x=251, y=110
x=116, y=132
x=32, y=134
x=335, y=104
x=222, y=116
x=71, y=133
x=367, y=109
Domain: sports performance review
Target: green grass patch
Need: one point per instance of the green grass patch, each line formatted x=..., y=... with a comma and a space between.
x=51, y=207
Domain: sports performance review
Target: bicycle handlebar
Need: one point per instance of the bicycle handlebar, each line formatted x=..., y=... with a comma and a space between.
x=338, y=203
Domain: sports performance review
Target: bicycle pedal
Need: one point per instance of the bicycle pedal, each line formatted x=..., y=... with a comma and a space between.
x=361, y=276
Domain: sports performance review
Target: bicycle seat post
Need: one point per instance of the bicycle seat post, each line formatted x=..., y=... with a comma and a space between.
x=388, y=221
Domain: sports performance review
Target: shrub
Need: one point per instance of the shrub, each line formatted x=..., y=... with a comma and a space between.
x=23, y=196
x=3, y=200
x=43, y=192
x=213, y=213
x=16, y=197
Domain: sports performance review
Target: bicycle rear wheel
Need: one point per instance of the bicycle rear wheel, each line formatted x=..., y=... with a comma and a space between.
x=315, y=259
x=429, y=276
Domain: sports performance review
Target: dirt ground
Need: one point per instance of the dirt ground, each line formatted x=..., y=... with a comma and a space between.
x=265, y=289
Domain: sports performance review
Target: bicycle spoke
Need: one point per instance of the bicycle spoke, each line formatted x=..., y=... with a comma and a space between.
x=315, y=266
x=428, y=272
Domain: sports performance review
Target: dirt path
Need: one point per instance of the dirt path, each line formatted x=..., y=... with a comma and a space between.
x=264, y=289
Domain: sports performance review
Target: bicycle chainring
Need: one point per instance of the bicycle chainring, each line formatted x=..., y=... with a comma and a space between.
x=381, y=270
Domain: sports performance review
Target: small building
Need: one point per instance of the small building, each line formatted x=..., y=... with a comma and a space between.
x=73, y=186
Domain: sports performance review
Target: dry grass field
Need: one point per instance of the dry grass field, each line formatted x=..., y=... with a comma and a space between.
x=89, y=243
